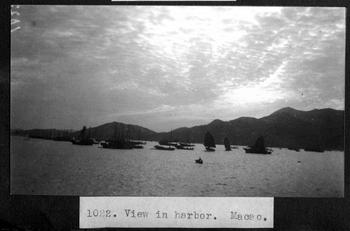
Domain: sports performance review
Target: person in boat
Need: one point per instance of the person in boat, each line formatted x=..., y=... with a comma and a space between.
x=200, y=161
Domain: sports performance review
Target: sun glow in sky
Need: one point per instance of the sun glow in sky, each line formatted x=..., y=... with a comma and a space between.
x=164, y=67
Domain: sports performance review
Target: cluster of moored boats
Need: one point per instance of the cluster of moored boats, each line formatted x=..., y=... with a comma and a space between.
x=171, y=146
x=120, y=142
x=112, y=144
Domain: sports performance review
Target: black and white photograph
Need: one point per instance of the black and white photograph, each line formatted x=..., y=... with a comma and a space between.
x=177, y=101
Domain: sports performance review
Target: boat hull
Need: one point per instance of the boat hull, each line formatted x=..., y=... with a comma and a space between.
x=254, y=151
x=164, y=148
x=82, y=142
x=184, y=147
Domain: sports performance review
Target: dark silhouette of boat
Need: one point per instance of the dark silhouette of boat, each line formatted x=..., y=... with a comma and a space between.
x=199, y=161
x=227, y=144
x=209, y=142
x=137, y=146
x=83, y=139
x=117, y=144
x=169, y=141
x=210, y=149
x=102, y=143
x=162, y=147
x=179, y=146
x=121, y=141
x=294, y=149
x=186, y=144
x=258, y=148
x=314, y=149
x=136, y=142
x=83, y=142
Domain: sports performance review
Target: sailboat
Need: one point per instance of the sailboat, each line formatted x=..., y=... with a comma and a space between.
x=227, y=144
x=138, y=143
x=184, y=146
x=209, y=142
x=83, y=139
x=118, y=142
x=168, y=142
x=259, y=147
x=163, y=147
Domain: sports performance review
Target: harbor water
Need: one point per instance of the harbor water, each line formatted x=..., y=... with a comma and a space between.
x=46, y=167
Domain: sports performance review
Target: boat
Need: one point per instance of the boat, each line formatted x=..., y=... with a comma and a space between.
x=210, y=149
x=82, y=142
x=102, y=143
x=227, y=144
x=186, y=144
x=168, y=143
x=259, y=147
x=209, y=142
x=83, y=138
x=255, y=151
x=294, y=149
x=136, y=142
x=118, y=141
x=162, y=147
x=137, y=146
x=199, y=161
x=117, y=144
x=179, y=146
x=313, y=149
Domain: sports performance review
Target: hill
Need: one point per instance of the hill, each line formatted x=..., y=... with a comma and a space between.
x=108, y=130
x=286, y=127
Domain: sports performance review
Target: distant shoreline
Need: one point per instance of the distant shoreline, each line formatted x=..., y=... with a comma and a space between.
x=286, y=127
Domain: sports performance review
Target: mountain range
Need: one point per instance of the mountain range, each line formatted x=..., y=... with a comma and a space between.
x=286, y=127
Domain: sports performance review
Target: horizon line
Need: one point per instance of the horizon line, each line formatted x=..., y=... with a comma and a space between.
x=88, y=127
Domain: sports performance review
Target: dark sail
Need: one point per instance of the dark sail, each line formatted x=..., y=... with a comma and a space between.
x=227, y=144
x=121, y=140
x=83, y=133
x=260, y=144
x=259, y=147
x=83, y=139
x=209, y=141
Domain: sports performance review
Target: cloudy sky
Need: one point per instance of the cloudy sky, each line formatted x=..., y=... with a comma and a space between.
x=172, y=66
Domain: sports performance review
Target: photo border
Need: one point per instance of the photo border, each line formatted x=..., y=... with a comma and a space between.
x=62, y=212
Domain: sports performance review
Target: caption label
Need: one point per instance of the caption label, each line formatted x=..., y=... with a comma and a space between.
x=184, y=212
